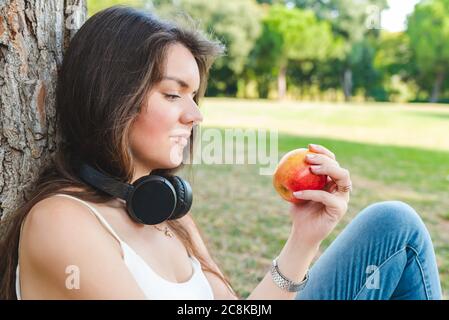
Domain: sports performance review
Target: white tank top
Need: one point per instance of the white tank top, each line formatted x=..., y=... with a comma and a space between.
x=153, y=286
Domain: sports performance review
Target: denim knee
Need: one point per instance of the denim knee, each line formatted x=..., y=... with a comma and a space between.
x=394, y=218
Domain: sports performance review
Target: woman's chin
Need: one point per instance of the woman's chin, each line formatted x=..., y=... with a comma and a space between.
x=175, y=159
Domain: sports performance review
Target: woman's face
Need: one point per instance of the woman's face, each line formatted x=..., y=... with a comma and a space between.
x=162, y=129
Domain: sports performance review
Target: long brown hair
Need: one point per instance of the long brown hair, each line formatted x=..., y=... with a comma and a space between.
x=110, y=65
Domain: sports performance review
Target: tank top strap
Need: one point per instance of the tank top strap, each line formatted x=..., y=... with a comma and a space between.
x=97, y=214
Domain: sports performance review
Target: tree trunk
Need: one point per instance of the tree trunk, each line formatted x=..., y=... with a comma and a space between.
x=437, y=87
x=347, y=84
x=263, y=88
x=33, y=36
x=282, y=82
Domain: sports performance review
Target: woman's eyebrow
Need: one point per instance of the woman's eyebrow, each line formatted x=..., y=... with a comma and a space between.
x=181, y=82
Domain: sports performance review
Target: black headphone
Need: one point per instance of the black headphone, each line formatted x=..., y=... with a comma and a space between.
x=151, y=199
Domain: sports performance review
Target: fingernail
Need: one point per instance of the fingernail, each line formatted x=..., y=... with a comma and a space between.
x=316, y=168
x=310, y=156
x=314, y=146
x=297, y=193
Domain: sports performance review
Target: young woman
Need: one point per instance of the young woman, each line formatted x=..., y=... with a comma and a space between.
x=126, y=104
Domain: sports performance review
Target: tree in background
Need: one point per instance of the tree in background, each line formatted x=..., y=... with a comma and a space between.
x=350, y=20
x=261, y=63
x=396, y=65
x=274, y=42
x=428, y=29
x=291, y=34
x=234, y=23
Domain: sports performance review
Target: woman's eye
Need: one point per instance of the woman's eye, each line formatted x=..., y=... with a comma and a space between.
x=171, y=97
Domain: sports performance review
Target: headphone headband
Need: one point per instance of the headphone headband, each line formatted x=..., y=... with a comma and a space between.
x=105, y=183
x=151, y=199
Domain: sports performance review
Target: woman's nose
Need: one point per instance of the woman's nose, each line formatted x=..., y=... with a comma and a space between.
x=192, y=113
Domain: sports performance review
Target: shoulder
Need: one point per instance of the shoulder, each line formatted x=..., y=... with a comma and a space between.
x=61, y=218
x=59, y=233
x=57, y=228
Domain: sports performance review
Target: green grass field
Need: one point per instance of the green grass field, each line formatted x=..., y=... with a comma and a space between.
x=398, y=152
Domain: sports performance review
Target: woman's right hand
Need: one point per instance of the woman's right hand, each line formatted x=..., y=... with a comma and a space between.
x=313, y=220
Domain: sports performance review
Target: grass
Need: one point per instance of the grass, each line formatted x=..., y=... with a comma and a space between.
x=393, y=152
x=425, y=127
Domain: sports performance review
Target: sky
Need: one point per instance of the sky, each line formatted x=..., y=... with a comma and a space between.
x=394, y=18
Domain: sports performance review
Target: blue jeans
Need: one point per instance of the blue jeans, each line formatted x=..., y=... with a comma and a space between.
x=384, y=253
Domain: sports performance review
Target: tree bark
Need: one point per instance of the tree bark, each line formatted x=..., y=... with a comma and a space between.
x=33, y=37
x=347, y=84
x=437, y=87
x=282, y=82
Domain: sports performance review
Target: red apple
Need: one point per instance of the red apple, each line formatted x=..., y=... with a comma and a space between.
x=293, y=174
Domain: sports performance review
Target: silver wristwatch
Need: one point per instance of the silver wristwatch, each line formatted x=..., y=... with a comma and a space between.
x=284, y=283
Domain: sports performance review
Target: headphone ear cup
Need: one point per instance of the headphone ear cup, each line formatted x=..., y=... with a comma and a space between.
x=184, y=196
x=152, y=200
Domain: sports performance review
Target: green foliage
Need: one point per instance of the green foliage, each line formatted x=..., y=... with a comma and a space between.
x=428, y=29
x=394, y=55
x=261, y=65
x=348, y=17
x=302, y=36
x=93, y=6
x=366, y=76
x=315, y=44
x=290, y=35
x=234, y=23
x=396, y=65
x=349, y=22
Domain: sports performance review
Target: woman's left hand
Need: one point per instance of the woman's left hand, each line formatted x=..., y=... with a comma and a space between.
x=313, y=220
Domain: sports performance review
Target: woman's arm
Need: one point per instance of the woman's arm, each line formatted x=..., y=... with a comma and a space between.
x=293, y=262
x=312, y=221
